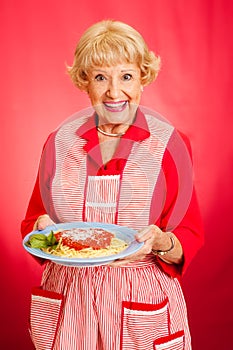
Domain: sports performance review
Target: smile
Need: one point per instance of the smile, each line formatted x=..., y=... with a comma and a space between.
x=116, y=106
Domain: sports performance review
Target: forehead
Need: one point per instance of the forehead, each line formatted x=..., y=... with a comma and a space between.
x=115, y=69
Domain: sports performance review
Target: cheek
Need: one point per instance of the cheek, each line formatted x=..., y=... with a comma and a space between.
x=94, y=95
x=136, y=94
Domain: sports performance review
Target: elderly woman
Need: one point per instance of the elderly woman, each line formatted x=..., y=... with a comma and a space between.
x=124, y=165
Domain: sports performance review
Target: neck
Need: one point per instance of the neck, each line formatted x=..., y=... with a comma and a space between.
x=109, y=133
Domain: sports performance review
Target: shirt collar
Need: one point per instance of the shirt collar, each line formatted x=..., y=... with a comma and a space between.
x=138, y=131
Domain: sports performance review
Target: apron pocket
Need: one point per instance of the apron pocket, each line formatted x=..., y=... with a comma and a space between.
x=143, y=323
x=172, y=342
x=44, y=317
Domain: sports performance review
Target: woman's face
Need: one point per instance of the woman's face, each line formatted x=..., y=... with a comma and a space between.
x=115, y=92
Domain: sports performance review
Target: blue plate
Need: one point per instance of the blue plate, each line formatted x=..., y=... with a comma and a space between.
x=122, y=232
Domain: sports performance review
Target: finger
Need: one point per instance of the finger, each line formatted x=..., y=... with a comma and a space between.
x=42, y=222
x=121, y=262
x=144, y=234
x=130, y=259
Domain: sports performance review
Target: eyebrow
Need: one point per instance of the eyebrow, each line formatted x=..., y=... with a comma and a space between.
x=122, y=71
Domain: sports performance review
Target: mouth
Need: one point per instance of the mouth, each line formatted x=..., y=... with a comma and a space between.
x=115, y=106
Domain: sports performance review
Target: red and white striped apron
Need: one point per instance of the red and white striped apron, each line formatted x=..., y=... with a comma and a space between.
x=105, y=308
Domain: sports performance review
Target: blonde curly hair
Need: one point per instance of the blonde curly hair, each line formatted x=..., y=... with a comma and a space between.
x=107, y=43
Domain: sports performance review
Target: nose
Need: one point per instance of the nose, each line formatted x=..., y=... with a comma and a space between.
x=113, y=89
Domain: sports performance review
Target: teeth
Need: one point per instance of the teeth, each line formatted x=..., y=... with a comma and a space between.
x=115, y=105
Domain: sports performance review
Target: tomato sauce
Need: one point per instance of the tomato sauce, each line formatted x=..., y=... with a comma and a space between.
x=80, y=238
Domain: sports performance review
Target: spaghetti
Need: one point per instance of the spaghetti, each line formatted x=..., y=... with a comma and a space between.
x=86, y=243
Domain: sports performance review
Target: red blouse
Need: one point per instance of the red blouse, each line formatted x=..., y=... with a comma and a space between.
x=190, y=229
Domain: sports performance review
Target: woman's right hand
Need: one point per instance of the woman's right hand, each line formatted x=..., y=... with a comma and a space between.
x=42, y=222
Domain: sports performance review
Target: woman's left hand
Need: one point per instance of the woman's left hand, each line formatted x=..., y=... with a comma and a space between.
x=154, y=238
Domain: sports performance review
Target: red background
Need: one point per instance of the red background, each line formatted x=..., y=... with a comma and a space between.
x=193, y=91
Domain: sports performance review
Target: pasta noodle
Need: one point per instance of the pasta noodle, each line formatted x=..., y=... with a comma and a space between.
x=62, y=250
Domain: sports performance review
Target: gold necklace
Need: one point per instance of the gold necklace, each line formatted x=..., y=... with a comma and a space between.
x=109, y=134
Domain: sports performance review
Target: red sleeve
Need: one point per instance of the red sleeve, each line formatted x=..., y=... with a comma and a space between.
x=45, y=174
x=36, y=206
x=35, y=209
x=189, y=231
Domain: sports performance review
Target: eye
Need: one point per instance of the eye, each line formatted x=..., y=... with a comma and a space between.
x=99, y=77
x=127, y=76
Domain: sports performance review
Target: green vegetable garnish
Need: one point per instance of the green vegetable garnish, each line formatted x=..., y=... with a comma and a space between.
x=38, y=240
x=51, y=239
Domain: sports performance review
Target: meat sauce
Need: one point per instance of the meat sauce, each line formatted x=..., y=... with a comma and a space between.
x=80, y=238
